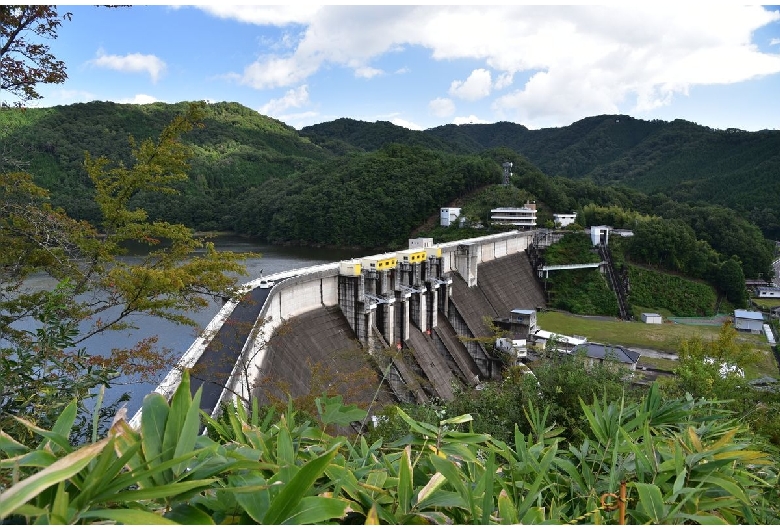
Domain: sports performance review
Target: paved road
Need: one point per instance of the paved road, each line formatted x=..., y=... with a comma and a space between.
x=217, y=361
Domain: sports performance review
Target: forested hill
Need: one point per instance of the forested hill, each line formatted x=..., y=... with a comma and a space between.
x=683, y=160
x=237, y=149
x=353, y=183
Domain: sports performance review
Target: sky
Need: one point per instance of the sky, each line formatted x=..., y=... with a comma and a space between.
x=713, y=63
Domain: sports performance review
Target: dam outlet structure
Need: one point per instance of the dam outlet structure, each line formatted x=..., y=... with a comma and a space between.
x=418, y=319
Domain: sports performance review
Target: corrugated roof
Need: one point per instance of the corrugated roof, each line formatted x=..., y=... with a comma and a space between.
x=601, y=351
x=750, y=315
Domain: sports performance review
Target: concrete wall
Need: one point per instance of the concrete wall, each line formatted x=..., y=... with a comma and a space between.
x=318, y=286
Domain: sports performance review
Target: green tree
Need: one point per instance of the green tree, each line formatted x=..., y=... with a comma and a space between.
x=715, y=369
x=731, y=281
x=26, y=62
x=104, y=291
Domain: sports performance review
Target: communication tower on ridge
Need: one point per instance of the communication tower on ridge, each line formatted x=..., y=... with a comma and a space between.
x=507, y=173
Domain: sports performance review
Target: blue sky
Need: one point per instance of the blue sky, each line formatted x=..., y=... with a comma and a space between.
x=714, y=63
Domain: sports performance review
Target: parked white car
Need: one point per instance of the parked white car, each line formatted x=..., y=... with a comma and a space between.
x=266, y=284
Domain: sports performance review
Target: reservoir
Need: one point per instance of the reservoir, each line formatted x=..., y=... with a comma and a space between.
x=177, y=338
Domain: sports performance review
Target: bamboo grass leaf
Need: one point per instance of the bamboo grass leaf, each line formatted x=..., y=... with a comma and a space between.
x=10, y=446
x=128, y=516
x=651, y=502
x=154, y=417
x=488, y=474
x=189, y=432
x=65, y=420
x=298, y=487
x=317, y=510
x=457, y=420
x=63, y=469
x=506, y=509
x=729, y=487
x=39, y=458
x=187, y=514
x=405, y=485
x=436, y=481
x=160, y=491
x=425, y=430
x=372, y=518
x=49, y=436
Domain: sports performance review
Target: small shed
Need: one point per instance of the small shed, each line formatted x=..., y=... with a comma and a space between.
x=752, y=321
x=652, y=318
x=596, y=352
x=526, y=317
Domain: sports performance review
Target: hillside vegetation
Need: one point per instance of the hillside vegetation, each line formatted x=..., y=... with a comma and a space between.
x=255, y=175
x=682, y=160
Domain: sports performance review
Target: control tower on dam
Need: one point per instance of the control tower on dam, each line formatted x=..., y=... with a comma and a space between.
x=401, y=326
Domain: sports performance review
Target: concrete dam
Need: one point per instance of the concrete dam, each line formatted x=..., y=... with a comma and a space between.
x=396, y=327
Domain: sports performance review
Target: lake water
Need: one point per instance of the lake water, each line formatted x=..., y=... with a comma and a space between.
x=178, y=338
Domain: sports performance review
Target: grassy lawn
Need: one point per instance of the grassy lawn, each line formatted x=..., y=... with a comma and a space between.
x=665, y=337
x=766, y=303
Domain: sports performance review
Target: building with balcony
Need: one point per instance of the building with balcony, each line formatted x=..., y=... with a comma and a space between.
x=524, y=217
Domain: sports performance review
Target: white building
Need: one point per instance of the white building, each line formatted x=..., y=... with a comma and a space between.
x=449, y=216
x=599, y=235
x=564, y=219
x=768, y=292
x=752, y=321
x=652, y=318
x=524, y=217
x=516, y=347
x=421, y=242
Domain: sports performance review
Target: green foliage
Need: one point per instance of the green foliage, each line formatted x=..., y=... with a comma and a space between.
x=44, y=370
x=579, y=291
x=614, y=216
x=681, y=297
x=234, y=150
x=367, y=200
x=713, y=369
x=573, y=248
x=732, y=281
x=682, y=460
x=685, y=161
x=40, y=380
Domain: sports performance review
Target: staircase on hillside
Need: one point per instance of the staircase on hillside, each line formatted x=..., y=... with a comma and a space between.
x=617, y=283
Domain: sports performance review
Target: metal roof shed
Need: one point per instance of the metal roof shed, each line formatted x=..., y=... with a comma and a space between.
x=752, y=321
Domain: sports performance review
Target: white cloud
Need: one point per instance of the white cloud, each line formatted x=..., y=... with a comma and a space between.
x=477, y=86
x=277, y=15
x=504, y=80
x=461, y=120
x=404, y=123
x=403, y=70
x=134, y=62
x=579, y=60
x=442, y=107
x=367, y=72
x=294, y=98
x=139, y=99
x=276, y=72
x=774, y=42
x=60, y=96
x=301, y=119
